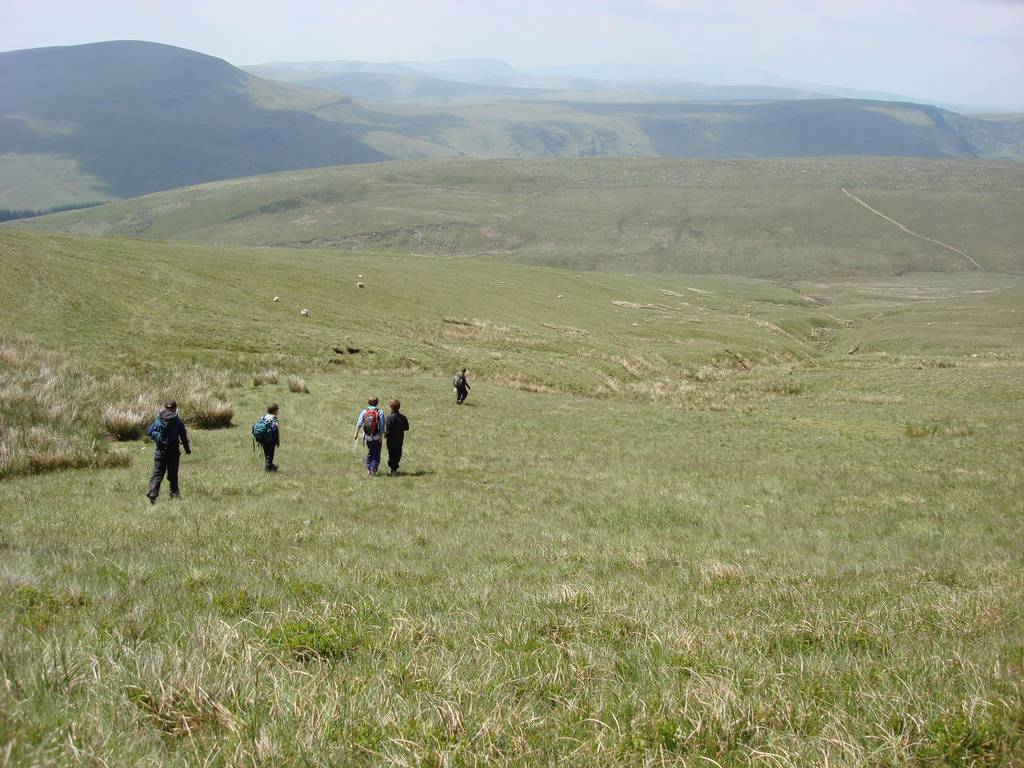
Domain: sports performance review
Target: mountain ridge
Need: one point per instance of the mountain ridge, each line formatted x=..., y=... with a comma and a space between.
x=126, y=118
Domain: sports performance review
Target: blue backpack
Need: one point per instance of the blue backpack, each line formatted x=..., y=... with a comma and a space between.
x=164, y=433
x=262, y=432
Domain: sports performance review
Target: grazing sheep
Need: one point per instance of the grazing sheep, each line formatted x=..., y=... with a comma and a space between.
x=359, y=276
x=360, y=284
x=304, y=313
x=277, y=298
x=559, y=295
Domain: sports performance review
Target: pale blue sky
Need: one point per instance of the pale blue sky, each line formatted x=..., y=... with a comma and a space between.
x=958, y=51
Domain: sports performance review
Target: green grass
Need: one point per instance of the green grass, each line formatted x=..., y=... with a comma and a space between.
x=770, y=218
x=666, y=543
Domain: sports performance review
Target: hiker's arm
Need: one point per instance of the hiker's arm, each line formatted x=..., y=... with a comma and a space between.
x=277, y=435
x=359, y=423
x=184, y=439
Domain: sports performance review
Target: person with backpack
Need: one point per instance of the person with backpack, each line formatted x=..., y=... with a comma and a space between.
x=168, y=433
x=371, y=421
x=267, y=432
x=395, y=427
x=461, y=384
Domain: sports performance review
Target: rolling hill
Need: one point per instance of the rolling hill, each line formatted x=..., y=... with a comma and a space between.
x=775, y=218
x=129, y=118
x=112, y=120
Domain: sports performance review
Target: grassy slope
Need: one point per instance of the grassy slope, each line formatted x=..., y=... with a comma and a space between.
x=560, y=578
x=764, y=218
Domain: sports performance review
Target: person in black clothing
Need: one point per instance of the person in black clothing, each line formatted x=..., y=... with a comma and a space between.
x=395, y=427
x=461, y=384
x=168, y=432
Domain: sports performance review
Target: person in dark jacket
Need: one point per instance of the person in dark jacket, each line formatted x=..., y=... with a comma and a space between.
x=461, y=385
x=274, y=441
x=169, y=434
x=395, y=427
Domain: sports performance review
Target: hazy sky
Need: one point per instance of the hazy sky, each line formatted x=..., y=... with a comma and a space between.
x=959, y=51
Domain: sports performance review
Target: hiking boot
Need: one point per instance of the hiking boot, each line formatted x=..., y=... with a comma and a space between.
x=176, y=496
x=152, y=499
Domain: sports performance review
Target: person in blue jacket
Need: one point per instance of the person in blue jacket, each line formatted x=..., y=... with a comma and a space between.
x=371, y=421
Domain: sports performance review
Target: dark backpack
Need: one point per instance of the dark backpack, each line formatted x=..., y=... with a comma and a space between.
x=459, y=381
x=371, y=422
x=164, y=433
x=262, y=431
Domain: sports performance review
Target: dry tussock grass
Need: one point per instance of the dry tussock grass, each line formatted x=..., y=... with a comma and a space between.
x=55, y=414
x=724, y=382
x=568, y=330
x=297, y=385
x=484, y=332
x=870, y=398
x=268, y=376
x=524, y=383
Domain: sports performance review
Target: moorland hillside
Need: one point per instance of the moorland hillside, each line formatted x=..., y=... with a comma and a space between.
x=764, y=218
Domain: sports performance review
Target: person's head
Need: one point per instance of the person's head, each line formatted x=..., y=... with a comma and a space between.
x=272, y=409
x=395, y=406
x=170, y=405
x=373, y=401
x=462, y=371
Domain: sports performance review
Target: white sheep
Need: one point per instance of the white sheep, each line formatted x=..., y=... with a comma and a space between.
x=559, y=295
x=277, y=298
x=359, y=276
x=304, y=313
x=360, y=284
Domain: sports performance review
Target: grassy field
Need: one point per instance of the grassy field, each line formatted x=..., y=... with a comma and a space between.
x=683, y=520
x=784, y=218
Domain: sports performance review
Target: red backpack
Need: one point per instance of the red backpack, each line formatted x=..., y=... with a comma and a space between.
x=371, y=422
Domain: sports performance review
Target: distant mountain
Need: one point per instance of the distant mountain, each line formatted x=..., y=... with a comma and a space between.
x=714, y=82
x=480, y=80
x=373, y=86
x=112, y=120
x=138, y=117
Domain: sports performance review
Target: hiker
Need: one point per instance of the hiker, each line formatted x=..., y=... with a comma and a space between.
x=168, y=432
x=395, y=427
x=371, y=421
x=267, y=432
x=461, y=384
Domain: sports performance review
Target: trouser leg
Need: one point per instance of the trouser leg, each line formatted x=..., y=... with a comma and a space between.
x=157, y=476
x=373, y=455
x=268, y=455
x=173, y=460
x=394, y=456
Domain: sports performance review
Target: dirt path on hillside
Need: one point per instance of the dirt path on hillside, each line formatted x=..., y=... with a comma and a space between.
x=947, y=246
